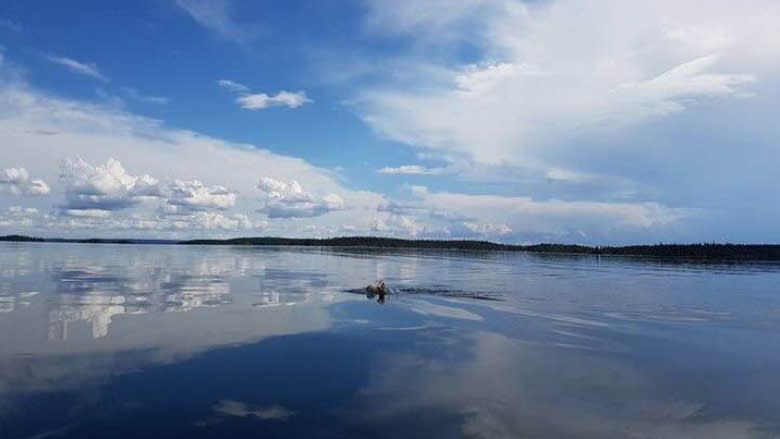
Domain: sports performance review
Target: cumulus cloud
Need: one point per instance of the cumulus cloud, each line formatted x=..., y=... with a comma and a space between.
x=17, y=181
x=86, y=69
x=195, y=195
x=182, y=224
x=209, y=221
x=411, y=170
x=104, y=187
x=42, y=131
x=101, y=222
x=261, y=101
x=54, y=129
x=116, y=199
x=399, y=225
x=289, y=200
x=488, y=229
x=17, y=216
x=95, y=191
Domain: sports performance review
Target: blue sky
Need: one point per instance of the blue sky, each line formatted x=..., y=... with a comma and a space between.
x=591, y=122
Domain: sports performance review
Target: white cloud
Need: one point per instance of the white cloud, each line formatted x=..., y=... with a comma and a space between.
x=87, y=213
x=233, y=86
x=488, y=229
x=261, y=101
x=209, y=221
x=18, y=216
x=396, y=224
x=40, y=132
x=197, y=196
x=103, y=221
x=537, y=87
x=411, y=170
x=80, y=68
x=107, y=223
x=528, y=213
x=132, y=198
x=566, y=175
x=22, y=210
x=289, y=200
x=215, y=15
x=59, y=129
x=496, y=217
x=105, y=187
x=96, y=191
x=17, y=181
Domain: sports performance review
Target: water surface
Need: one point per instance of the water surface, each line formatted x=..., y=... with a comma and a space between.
x=176, y=341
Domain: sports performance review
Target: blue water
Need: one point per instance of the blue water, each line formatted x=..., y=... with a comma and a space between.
x=173, y=341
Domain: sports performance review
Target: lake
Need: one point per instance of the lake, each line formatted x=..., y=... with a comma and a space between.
x=179, y=341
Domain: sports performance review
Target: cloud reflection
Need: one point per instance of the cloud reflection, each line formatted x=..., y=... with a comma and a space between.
x=424, y=362
x=503, y=388
x=9, y=302
x=243, y=410
x=106, y=310
x=96, y=310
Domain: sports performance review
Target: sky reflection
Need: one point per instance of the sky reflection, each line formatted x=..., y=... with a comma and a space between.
x=209, y=342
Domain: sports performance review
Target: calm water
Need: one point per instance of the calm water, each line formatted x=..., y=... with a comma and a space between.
x=166, y=341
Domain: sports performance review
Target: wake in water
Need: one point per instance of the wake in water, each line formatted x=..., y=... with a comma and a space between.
x=381, y=290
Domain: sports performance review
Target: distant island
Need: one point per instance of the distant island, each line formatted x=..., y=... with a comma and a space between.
x=703, y=251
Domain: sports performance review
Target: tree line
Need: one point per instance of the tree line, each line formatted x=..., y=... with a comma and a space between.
x=701, y=251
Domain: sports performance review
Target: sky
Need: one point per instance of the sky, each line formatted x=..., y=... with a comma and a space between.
x=577, y=121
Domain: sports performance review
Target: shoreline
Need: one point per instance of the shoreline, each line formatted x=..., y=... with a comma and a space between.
x=699, y=251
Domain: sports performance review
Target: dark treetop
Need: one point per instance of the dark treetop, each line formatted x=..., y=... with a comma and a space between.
x=754, y=252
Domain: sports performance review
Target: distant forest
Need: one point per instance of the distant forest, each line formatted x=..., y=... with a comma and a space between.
x=765, y=252
x=20, y=238
x=714, y=252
